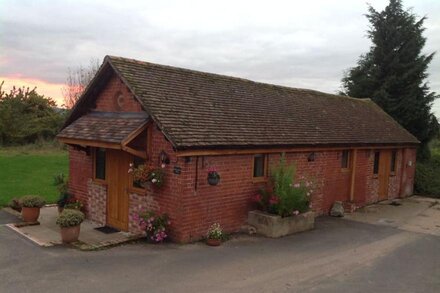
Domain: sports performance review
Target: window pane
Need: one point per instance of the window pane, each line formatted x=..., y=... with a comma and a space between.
x=345, y=159
x=136, y=163
x=393, y=161
x=376, y=162
x=259, y=166
x=100, y=164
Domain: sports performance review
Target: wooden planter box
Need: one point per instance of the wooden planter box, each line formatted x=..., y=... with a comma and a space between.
x=275, y=226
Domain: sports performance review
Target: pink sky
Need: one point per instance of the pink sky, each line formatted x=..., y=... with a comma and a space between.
x=51, y=90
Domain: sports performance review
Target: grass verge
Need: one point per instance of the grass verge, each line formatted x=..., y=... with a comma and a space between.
x=29, y=170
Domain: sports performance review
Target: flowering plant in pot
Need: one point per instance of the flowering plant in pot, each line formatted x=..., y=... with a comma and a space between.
x=70, y=223
x=144, y=174
x=155, y=225
x=215, y=235
x=213, y=176
x=30, y=207
x=74, y=204
x=284, y=196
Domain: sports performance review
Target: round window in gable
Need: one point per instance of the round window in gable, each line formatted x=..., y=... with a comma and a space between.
x=119, y=101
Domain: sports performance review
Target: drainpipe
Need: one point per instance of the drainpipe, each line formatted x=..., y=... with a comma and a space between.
x=353, y=175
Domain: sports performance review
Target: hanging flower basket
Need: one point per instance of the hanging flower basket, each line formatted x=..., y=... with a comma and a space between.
x=144, y=174
x=213, y=177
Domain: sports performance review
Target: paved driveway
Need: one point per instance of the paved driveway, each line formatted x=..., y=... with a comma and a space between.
x=338, y=256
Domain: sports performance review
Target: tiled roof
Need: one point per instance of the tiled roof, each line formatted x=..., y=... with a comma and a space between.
x=204, y=110
x=104, y=127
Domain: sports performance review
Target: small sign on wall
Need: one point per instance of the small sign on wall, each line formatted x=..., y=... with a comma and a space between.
x=177, y=170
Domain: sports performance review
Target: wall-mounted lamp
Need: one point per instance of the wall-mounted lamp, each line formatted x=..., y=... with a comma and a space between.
x=163, y=159
x=311, y=157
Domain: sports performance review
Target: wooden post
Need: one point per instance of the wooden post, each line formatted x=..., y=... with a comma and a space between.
x=353, y=175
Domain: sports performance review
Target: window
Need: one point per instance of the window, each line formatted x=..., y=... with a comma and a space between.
x=393, y=161
x=345, y=159
x=136, y=163
x=259, y=166
x=376, y=162
x=100, y=163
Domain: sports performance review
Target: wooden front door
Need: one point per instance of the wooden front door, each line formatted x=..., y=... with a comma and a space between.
x=384, y=173
x=117, y=164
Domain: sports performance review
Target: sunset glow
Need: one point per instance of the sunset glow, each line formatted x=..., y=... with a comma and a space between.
x=51, y=90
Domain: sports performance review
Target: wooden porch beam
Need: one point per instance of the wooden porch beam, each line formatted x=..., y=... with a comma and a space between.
x=92, y=143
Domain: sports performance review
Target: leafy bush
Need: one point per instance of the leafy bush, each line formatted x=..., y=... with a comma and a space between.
x=15, y=204
x=70, y=218
x=427, y=180
x=215, y=232
x=32, y=201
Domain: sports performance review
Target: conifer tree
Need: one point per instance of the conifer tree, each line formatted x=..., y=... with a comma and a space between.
x=393, y=73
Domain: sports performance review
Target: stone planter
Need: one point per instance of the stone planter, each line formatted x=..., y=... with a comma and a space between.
x=275, y=226
x=30, y=214
x=70, y=234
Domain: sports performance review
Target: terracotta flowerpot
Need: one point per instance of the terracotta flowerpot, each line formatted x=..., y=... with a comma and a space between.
x=213, y=242
x=30, y=214
x=70, y=234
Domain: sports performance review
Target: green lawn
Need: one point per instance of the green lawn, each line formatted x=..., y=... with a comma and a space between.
x=30, y=171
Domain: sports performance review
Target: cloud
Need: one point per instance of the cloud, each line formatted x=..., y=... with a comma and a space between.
x=295, y=43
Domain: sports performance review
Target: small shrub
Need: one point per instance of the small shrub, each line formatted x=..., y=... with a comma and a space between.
x=15, y=204
x=32, y=201
x=61, y=182
x=70, y=218
x=215, y=232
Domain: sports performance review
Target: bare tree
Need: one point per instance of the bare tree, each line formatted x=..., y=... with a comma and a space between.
x=77, y=80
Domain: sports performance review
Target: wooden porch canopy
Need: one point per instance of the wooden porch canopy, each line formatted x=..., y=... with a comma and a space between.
x=125, y=131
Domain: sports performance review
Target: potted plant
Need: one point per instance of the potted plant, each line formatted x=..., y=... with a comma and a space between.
x=213, y=176
x=62, y=184
x=144, y=174
x=73, y=205
x=70, y=223
x=284, y=205
x=215, y=235
x=30, y=207
x=155, y=225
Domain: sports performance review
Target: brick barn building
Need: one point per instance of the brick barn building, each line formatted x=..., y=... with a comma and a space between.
x=189, y=121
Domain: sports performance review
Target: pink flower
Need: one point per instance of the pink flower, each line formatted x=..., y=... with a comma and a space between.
x=296, y=185
x=212, y=170
x=296, y=213
x=273, y=200
x=257, y=198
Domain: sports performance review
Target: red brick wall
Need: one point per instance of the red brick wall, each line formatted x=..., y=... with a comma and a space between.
x=80, y=170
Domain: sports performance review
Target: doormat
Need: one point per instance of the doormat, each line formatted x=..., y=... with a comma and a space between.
x=107, y=230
